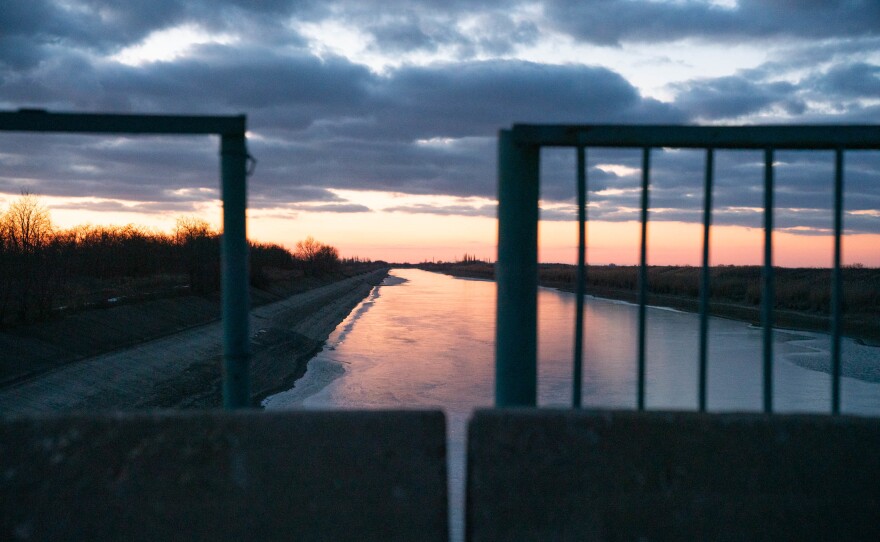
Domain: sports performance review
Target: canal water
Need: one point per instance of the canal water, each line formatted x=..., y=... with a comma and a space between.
x=427, y=340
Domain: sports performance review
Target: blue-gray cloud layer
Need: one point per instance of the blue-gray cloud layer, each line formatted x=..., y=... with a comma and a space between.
x=610, y=22
x=325, y=122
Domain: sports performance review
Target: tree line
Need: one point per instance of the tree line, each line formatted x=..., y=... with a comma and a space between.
x=42, y=267
x=798, y=289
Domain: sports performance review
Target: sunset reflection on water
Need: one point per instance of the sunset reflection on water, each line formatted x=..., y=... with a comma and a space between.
x=426, y=340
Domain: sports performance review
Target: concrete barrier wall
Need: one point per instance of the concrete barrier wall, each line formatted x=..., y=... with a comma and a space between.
x=532, y=475
x=224, y=476
x=614, y=475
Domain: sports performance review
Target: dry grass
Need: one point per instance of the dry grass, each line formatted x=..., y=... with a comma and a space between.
x=802, y=300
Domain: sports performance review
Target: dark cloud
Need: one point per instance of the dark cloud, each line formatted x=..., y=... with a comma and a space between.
x=803, y=188
x=610, y=22
x=493, y=34
x=501, y=33
x=476, y=98
x=808, y=56
x=446, y=210
x=106, y=26
x=334, y=208
x=330, y=123
x=219, y=79
x=736, y=96
x=324, y=122
x=182, y=207
x=146, y=168
x=405, y=33
x=35, y=30
x=466, y=29
x=263, y=195
x=839, y=92
x=18, y=52
x=558, y=215
x=469, y=28
x=858, y=80
x=27, y=27
x=461, y=106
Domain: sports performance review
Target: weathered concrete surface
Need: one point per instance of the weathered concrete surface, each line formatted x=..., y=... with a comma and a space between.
x=615, y=475
x=183, y=369
x=219, y=476
x=43, y=346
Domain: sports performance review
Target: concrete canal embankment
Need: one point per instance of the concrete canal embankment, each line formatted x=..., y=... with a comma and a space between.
x=183, y=369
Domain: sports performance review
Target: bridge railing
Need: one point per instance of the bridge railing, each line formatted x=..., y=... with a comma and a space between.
x=517, y=268
x=233, y=172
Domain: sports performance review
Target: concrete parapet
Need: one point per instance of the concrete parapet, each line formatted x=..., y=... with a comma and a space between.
x=215, y=475
x=543, y=474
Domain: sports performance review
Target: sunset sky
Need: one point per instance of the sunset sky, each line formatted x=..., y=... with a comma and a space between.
x=374, y=122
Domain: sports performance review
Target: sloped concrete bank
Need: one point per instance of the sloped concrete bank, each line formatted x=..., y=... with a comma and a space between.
x=183, y=369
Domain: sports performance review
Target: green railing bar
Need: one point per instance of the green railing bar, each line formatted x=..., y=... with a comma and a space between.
x=523, y=169
x=236, y=302
x=836, y=283
x=704, y=280
x=767, y=294
x=516, y=273
x=812, y=136
x=581, y=277
x=233, y=171
x=643, y=278
x=39, y=120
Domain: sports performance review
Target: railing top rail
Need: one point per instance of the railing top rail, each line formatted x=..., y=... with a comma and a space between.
x=233, y=175
x=812, y=136
x=38, y=120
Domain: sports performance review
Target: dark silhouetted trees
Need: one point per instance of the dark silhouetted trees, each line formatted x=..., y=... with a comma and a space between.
x=28, y=272
x=42, y=267
x=200, y=248
x=317, y=258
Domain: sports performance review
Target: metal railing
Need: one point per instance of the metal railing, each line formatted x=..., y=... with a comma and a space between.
x=233, y=173
x=517, y=267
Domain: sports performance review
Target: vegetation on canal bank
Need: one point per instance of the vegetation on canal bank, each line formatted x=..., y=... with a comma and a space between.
x=66, y=294
x=47, y=272
x=802, y=300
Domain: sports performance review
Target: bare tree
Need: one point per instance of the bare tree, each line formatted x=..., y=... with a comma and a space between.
x=201, y=247
x=307, y=249
x=190, y=227
x=317, y=257
x=28, y=272
x=27, y=224
x=7, y=266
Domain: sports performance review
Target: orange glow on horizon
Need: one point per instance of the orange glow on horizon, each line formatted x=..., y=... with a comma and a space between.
x=679, y=243
x=397, y=236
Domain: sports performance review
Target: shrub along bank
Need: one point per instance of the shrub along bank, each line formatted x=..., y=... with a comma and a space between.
x=802, y=300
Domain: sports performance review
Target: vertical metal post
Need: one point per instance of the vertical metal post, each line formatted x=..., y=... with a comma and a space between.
x=704, y=279
x=236, y=304
x=516, y=335
x=581, y=277
x=768, y=295
x=836, y=283
x=643, y=278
